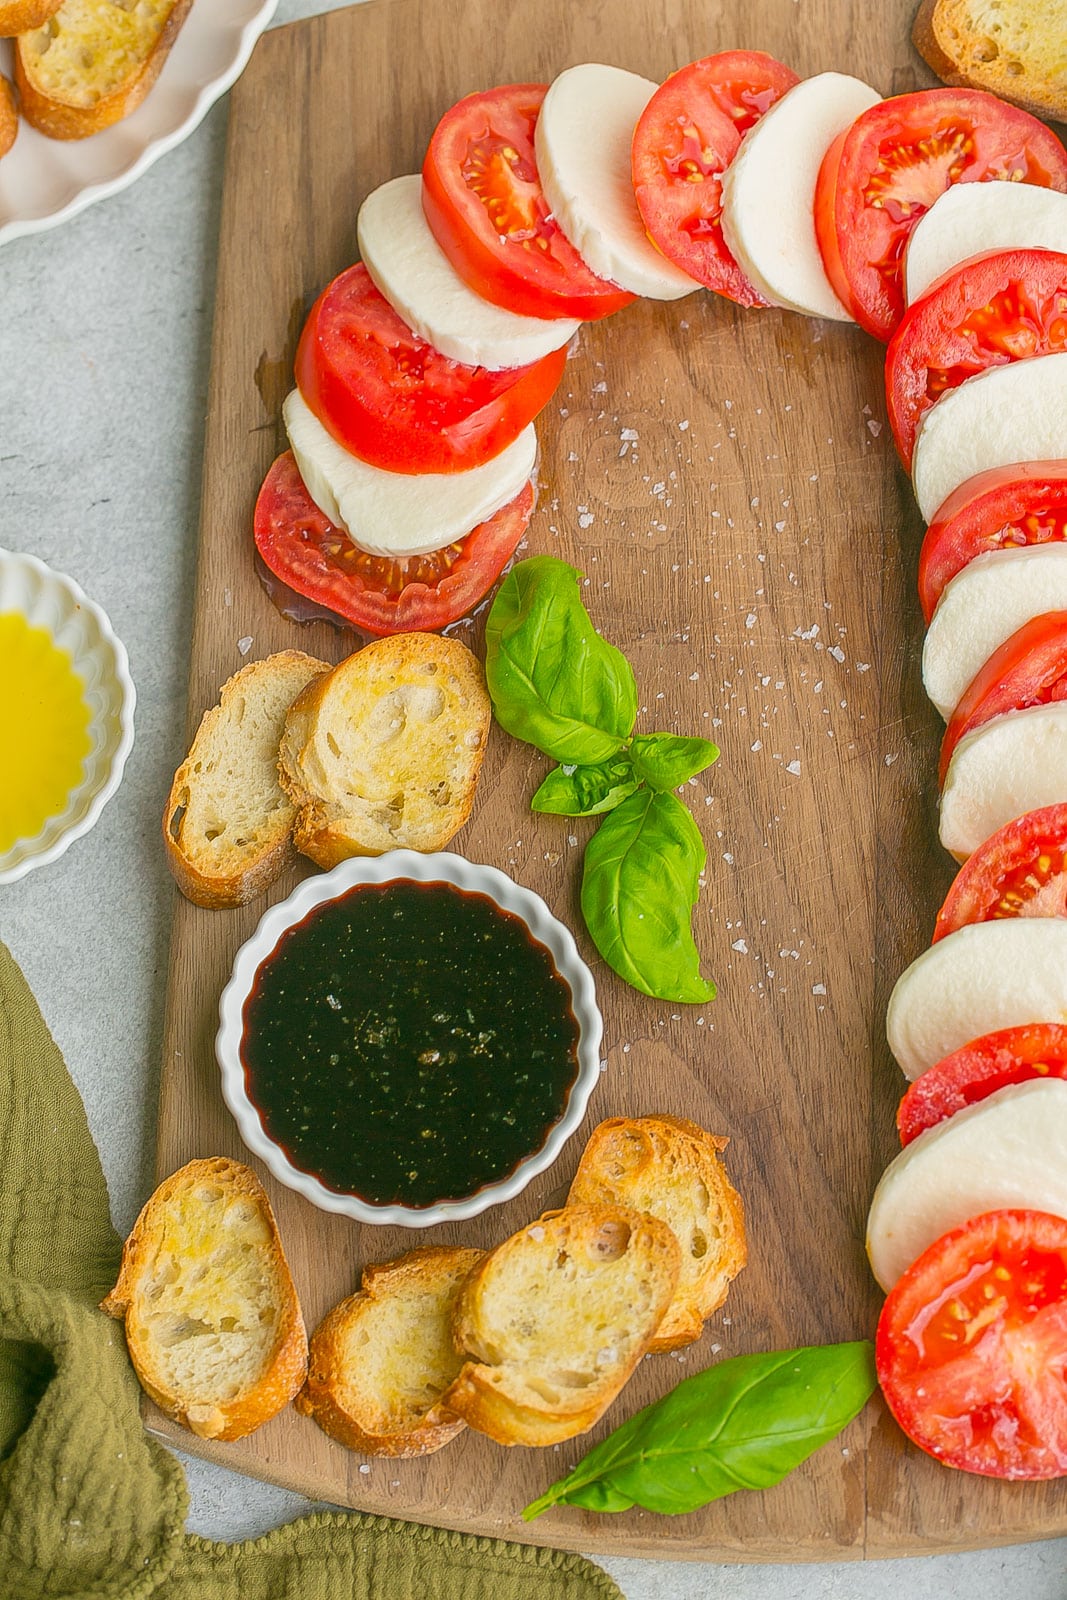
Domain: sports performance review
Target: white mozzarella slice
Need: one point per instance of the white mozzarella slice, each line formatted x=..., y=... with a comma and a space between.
x=1006, y=1152
x=411, y=270
x=999, y=417
x=401, y=513
x=985, y=976
x=768, y=192
x=1012, y=764
x=971, y=218
x=582, y=140
x=982, y=607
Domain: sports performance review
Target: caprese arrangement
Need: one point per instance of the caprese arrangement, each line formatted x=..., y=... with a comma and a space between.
x=938, y=221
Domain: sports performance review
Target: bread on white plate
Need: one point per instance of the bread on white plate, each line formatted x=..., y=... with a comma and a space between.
x=972, y=218
x=1005, y=1152
x=983, y=977
x=1012, y=764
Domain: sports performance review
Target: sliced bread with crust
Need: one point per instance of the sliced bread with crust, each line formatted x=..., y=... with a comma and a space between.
x=555, y=1319
x=384, y=752
x=1012, y=48
x=213, y=1324
x=92, y=62
x=9, y=116
x=670, y=1168
x=227, y=825
x=18, y=16
x=380, y=1361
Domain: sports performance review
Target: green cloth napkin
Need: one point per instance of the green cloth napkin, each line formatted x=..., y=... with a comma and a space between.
x=90, y=1506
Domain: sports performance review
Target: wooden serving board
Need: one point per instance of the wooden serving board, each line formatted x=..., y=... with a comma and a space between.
x=752, y=547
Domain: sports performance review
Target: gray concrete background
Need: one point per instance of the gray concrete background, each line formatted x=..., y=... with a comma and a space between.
x=103, y=381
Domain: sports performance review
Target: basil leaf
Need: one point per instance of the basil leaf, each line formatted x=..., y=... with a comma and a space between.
x=639, y=885
x=666, y=760
x=743, y=1424
x=586, y=791
x=553, y=680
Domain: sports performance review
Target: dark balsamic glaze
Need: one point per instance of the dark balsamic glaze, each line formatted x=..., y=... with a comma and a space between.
x=409, y=1043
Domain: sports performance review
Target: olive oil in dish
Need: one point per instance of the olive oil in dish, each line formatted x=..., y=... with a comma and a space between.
x=44, y=729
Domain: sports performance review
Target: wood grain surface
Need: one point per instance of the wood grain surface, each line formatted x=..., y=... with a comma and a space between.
x=752, y=547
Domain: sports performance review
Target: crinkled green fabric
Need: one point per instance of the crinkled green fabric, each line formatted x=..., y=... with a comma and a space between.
x=90, y=1506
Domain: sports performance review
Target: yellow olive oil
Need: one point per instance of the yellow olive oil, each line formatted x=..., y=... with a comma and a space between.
x=44, y=729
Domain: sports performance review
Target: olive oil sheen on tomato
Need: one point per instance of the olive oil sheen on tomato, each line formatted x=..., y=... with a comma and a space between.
x=409, y=1043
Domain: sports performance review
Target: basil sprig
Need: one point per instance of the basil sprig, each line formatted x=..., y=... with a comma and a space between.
x=556, y=684
x=743, y=1424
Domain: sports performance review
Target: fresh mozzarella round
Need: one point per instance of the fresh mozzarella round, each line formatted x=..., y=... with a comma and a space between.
x=1006, y=1152
x=1009, y=765
x=768, y=192
x=1001, y=416
x=985, y=976
x=411, y=270
x=582, y=140
x=401, y=513
x=984, y=605
x=971, y=218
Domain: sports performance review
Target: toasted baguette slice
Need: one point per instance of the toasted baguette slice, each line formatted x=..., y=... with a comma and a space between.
x=213, y=1324
x=19, y=16
x=670, y=1167
x=1013, y=48
x=555, y=1320
x=384, y=753
x=381, y=1360
x=93, y=61
x=9, y=117
x=227, y=825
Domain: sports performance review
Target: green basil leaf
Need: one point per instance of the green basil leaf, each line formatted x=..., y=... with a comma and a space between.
x=639, y=885
x=666, y=760
x=586, y=791
x=554, y=681
x=743, y=1424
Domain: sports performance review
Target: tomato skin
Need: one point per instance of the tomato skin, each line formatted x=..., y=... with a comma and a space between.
x=884, y=172
x=1028, y=669
x=971, y=1345
x=1006, y=875
x=518, y=257
x=685, y=138
x=978, y=1069
x=1002, y=509
x=301, y=546
x=1001, y=307
x=393, y=400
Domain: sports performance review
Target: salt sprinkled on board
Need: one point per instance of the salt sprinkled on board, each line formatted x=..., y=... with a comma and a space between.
x=245, y=644
x=836, y=651
x=740, y=946
x=818, y=988
x=794, y=768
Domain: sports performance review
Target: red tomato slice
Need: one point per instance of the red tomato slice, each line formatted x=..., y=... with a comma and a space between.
x=972, y=1344
x=1029, y=669
x=1002, y=509
x=881, y=174
x=485, y=206
x=395, y=401
x=419, y=594
x=1011, y=1055
x=993, y=309
x=685, y=139
x=1019, y=871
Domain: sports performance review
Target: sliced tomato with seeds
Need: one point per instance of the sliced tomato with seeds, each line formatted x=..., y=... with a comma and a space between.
x=1003, y=509
x=1028, y=669
x=424, y=593
x=485, y=206
x=1019, y=871
x=971, y=1347
x=996, y=308
x=685, y=139
x=880, y=176
x=995, y=1061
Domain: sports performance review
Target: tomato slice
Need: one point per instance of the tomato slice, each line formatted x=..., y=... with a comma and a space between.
x=881, y=174
x=418, y=594
x=972, y=1345
x=1019, y=871
x=978, y=1069
x=1028, y=669
x=685, y=139
x=996, y=308
x=393, y=400
x=1002, y=509
x=485, y=206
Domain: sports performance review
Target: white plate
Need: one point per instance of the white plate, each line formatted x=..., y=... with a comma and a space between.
x=45, y=181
